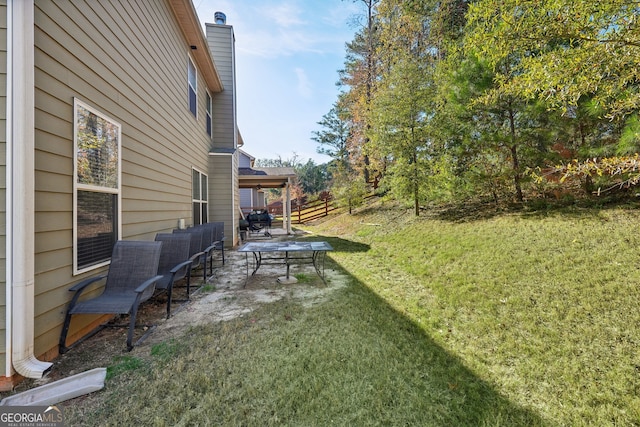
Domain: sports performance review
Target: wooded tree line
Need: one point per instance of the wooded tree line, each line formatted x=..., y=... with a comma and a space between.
x=504, y=99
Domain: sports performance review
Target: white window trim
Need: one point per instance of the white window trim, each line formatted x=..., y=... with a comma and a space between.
x=77, y=186
x=201, y=200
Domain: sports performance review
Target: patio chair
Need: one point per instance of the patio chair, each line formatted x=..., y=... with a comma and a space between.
x=209, y=243
x=129, y=282
x=174, y=263
x=199, y=252
x=217, y=238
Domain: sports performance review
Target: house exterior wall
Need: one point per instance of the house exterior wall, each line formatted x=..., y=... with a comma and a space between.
x=221, y=177
x=128, y=60
x=3, y=185
x=244, y=160
x=235, y=220
x=221, y=43
x=251, y=198
x=224, y=205
x=245, y=198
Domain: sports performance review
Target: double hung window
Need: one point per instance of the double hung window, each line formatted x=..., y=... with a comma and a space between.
x=192, y=82
x=97, y=146
x=200, y=203
x=208, y=119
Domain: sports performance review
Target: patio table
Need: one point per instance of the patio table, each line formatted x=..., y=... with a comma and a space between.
x=294, y=253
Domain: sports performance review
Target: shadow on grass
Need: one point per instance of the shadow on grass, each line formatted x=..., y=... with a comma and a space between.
x=413, y=364
x=352, y=359
x=409, y=363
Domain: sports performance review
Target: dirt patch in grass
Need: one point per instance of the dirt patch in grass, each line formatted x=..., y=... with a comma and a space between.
x=229, y=293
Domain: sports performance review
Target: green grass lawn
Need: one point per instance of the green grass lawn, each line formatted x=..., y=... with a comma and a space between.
x=520, y=318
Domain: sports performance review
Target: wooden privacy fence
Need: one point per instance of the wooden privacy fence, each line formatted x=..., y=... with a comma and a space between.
x=303, y=211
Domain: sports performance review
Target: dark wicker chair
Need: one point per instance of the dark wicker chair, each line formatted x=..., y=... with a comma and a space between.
x=130, y=281
x=174, y=263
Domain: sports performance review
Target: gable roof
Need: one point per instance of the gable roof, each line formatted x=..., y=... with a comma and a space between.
x=249, y=156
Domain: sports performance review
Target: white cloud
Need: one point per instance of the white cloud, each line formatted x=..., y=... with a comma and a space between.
x=273, y=29
x=304, y=85
x=272, y=43
x=285, y=14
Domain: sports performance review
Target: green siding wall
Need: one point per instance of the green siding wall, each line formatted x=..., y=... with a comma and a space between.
x=127, y=59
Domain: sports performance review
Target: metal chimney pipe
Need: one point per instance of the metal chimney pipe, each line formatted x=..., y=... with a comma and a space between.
x=220, y=18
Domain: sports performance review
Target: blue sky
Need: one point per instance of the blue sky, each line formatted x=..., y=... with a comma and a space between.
x=288, y=53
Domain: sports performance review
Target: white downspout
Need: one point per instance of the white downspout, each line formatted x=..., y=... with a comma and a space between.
x=8, y=205
x=20, y=191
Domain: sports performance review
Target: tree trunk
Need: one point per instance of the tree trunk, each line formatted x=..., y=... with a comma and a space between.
x=514, y=157
x=416, y=184
x=366, y=167
x=516, y=173
x=369, y=82
x=588, y=185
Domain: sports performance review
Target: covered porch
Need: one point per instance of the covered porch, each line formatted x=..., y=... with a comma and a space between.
x=257, y=178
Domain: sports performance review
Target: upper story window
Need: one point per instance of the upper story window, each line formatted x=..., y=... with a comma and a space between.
x=96, y=196
x=208, y=118
x=192, y=77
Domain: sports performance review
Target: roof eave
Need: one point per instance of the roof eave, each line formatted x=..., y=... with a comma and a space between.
x=187, y=18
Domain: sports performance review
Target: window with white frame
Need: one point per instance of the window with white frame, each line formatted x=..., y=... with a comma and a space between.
x=208, y=118
x=192, y=80
x=97, y=170
x=200, y=203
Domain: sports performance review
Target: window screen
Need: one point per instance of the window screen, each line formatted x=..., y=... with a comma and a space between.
x=209, y=120
x=200, y=204
x=97, y=225
x=97, y=186
x=193, y=88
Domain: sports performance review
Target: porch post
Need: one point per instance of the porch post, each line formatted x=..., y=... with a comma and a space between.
x=285, y=199
x=289, y=230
